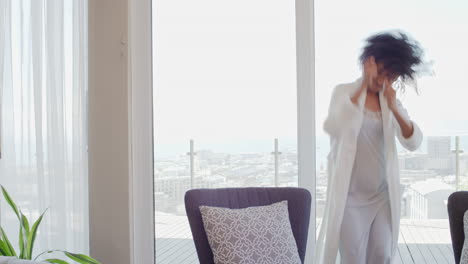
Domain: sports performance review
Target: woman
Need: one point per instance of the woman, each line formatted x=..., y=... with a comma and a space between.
x=362, y=214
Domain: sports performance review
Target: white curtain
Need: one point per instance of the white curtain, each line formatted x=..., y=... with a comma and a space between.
x=43, y=104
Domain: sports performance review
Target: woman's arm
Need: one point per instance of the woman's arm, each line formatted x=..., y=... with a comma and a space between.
x=406, y=126
x=357, y=94
x=343, y=114
x=344, y=111
x=408, y=132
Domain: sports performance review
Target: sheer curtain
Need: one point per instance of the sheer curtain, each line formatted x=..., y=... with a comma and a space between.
x=43, y=104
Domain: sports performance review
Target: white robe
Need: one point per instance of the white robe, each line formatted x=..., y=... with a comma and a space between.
x=343, y=124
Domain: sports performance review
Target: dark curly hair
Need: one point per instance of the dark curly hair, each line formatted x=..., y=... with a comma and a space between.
x=400, y=55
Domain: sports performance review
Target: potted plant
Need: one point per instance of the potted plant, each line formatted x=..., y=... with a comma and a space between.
x=27, y=236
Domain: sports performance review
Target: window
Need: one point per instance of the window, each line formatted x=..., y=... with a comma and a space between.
x=225, y=105
x=431, y=173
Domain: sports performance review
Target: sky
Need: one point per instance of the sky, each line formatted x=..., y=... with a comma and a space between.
x=440, y=27
x=224, y=71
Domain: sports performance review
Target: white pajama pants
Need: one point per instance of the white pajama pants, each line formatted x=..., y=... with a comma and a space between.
x=366, y=235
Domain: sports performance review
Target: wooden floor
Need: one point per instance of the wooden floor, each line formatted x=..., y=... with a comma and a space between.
x=174, y=244
x=420, y=242
x=425, y=241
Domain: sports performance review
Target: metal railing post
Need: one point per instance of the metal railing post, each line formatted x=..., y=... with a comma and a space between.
x=276, y=153
x=457, y=151
x=192, y=154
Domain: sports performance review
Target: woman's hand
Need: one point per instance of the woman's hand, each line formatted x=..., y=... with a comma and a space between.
x=390, y=95
x=368, y=76
x=370, y=72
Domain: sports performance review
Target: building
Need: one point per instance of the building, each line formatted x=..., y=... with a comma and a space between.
x=427, y=199
x=413, y=161
x=439, y=154
x=408, y=177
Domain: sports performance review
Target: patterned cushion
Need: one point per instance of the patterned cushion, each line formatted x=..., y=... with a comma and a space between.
x=464, y=255
x=253, y=235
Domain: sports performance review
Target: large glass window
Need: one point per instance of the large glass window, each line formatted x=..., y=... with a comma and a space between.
x=431, y=173
x=225, y=110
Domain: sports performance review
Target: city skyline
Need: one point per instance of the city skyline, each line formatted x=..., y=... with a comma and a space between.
x=424, y=176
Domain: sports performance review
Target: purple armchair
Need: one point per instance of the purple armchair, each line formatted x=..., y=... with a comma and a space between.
x=299, y=203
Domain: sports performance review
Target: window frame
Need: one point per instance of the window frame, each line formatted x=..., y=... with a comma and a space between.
x=141, y=173
x=141, y=123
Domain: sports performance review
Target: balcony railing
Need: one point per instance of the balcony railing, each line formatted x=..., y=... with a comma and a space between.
x=192, y=153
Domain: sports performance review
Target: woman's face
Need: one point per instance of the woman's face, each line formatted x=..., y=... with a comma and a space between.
x=379, y=80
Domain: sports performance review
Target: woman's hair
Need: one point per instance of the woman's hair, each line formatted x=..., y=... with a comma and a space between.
x=400, y=55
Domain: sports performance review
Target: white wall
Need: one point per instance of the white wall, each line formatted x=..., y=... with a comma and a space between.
x=108, y=132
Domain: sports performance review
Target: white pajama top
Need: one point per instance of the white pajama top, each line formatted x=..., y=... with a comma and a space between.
x=368, y=184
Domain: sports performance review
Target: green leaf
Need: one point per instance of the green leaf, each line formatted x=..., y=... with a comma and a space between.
x=45, y=252
x=24, y=222
x=23, y=235
x=57, y=261
x=80, y=258
x=21, y=242
x=32, y=237
x=4, y=249
x=7, y=242
x=10, y=201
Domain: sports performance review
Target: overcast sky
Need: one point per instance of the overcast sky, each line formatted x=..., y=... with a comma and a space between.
x=225, y=70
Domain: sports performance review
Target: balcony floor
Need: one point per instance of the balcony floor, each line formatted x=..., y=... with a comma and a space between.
x=420, y=241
